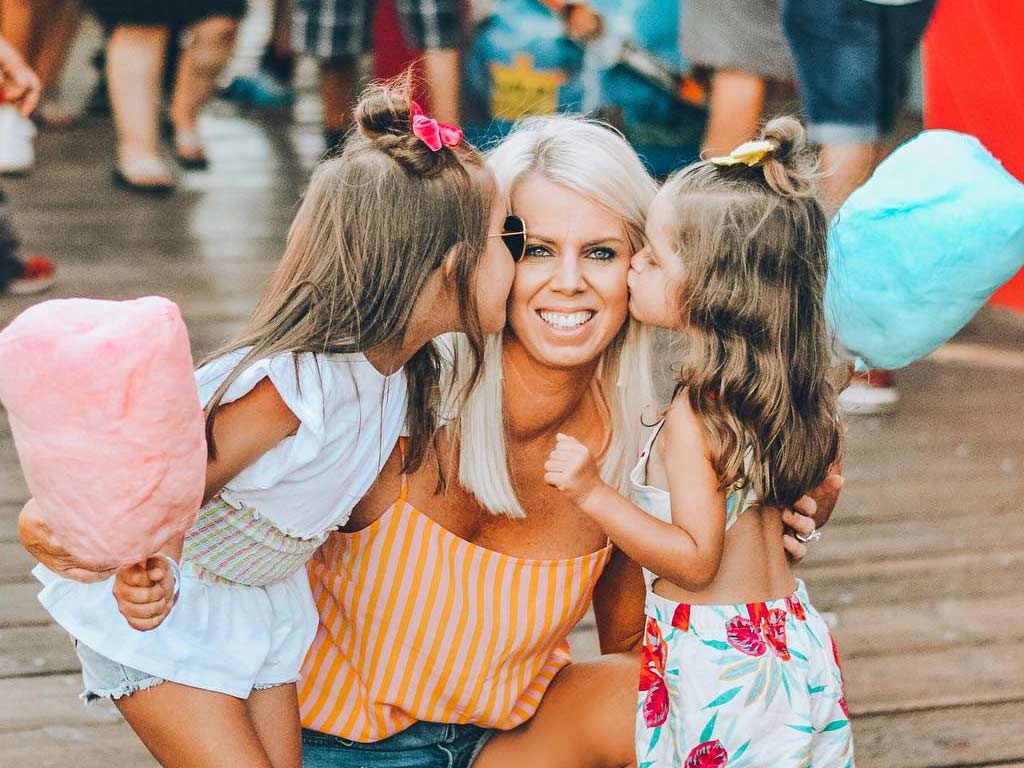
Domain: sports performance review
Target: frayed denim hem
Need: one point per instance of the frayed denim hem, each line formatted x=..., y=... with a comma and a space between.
x=127, y=688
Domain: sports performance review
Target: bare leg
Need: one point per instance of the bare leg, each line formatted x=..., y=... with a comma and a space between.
x=183, y=726
x=55, y=33
x=586, y=720
x=204, y=58
x=737, y=100
x=281, y=32
x=135, y=63
x=441, y=68
x=337, y=92
x=16, y=25
x=845, y=167
x=275, y=715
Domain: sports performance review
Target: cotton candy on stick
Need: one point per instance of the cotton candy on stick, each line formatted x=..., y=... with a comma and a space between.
x=103, y=405
x=918, y=249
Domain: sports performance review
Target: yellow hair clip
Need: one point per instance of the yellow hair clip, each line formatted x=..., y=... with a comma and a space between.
x=751, y=153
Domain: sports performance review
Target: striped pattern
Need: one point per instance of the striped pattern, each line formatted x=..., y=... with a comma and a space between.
x=419, y=624
x=237, y=546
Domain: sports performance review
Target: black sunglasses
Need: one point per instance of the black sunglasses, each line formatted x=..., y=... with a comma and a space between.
x=513, y=235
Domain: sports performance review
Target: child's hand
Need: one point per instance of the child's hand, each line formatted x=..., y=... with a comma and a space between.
x=582, y=23
x=572, y=469
x=145, y=592
x=18, y=83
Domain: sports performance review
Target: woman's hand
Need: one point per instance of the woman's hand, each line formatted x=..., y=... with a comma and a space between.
x=37, y=537
x=826, y=495
x=571, y=469
x=810, y=513
x=145, y=593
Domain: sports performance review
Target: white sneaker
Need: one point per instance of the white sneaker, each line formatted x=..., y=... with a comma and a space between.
x=870, y=394
x=17, y=136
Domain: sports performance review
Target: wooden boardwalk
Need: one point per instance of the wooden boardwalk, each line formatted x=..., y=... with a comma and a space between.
x=921, y=567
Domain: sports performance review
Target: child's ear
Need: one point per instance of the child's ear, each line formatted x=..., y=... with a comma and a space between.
x=448, y=262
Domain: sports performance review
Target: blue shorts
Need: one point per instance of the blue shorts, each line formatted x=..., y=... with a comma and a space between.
x=851, y=63
x=421, y=745
x=106, y=679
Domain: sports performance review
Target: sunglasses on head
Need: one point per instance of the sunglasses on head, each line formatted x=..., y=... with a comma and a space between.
x=513, y=235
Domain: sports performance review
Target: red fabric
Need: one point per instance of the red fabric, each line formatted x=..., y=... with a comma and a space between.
x=974, y=83
x=390, y=53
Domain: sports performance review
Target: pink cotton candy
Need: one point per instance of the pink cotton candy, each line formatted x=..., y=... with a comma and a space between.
x=102, y=401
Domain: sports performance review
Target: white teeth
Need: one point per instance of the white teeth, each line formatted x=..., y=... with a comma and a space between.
x=562, y=320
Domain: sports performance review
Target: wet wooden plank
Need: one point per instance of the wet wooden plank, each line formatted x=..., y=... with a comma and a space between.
x=58, y=745
x=904, y=681
x=15, y=563
x=979, y=735
x=19, y=606
x=40, y=650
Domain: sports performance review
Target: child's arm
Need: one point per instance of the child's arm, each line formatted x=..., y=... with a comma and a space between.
x=687, y=552
x=243, y=430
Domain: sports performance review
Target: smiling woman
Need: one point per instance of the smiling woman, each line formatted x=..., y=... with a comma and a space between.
x=583, y=194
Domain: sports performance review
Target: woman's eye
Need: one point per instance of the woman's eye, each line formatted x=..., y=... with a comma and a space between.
x=537, y=252
x=601, y=254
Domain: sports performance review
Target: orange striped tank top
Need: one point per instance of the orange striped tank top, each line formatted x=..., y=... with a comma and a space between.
x=419, y=624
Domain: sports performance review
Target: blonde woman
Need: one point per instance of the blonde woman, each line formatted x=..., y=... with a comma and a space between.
x=445, y=614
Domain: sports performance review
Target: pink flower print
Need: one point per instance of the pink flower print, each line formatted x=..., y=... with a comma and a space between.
x=844, y=707
x=745, y=636
x=656, y=704
x=710, y=754
x=796, y=608
x=774, y=628
x=652, y=676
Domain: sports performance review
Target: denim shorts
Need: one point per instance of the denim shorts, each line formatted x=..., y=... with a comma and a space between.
x=106, y=679
x=103, y=678
x=851, y=63
x=421, y=745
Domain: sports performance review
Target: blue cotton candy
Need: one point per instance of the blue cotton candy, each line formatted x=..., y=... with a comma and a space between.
x=918, y=249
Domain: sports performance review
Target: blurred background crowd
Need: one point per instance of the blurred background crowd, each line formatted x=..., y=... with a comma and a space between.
x=678, y=77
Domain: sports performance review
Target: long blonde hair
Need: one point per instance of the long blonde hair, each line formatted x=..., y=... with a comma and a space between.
x=593, y=160
x=374, y=224
x=759, y=365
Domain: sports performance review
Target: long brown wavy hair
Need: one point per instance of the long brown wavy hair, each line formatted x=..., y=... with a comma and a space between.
x=759, y=369
x=375, y=222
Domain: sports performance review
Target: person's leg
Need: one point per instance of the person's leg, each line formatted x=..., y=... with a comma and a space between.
x=586, y=720
x=275, y=716
x=441, y=69
x=734, y=110
x=338, y=78
x=56, y=26
x=135, y=63
x=281, y=32
x=845, y=167
x=16, y=25
x=208, y=51
x=11, y=265
x=184, y=726
x=434, y=27
x=336, y=33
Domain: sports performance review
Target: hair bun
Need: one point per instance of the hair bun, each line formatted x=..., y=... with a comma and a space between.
x=384, y=118
x=383, y=109
x=792, y=168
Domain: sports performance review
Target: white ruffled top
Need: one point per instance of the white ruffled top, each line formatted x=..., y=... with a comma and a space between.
x=350, y=418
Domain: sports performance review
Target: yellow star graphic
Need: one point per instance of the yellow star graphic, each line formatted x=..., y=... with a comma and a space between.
x=520, y=89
